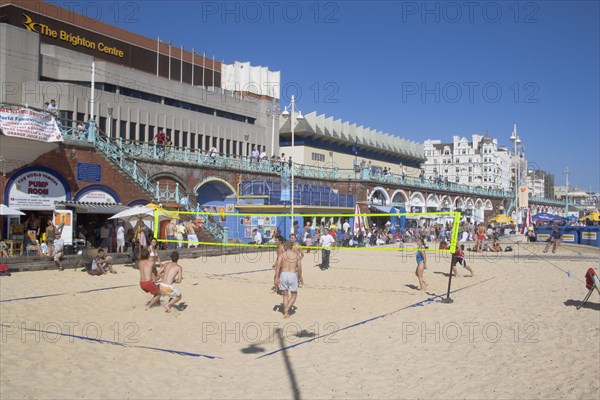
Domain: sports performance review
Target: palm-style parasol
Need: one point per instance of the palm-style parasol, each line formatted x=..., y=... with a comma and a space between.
x=501, y=219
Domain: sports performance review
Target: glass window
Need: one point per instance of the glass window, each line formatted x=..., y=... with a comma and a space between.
x=142, y=133
x=132, y=129
x=102, y=125
x=123, y=129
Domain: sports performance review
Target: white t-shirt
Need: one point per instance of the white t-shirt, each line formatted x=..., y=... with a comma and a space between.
x=326, y=241
x=121, y=233
x=258, y=238
x=465, y=236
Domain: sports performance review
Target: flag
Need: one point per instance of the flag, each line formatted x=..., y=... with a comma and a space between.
x=527, y=223
x=358, y=225
x=285, y=187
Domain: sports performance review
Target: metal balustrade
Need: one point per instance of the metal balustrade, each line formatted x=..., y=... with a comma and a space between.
x=125, y=154
x=151, y=151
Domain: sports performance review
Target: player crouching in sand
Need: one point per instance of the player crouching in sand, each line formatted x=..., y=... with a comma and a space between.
x=170, y=272
x=458, y=257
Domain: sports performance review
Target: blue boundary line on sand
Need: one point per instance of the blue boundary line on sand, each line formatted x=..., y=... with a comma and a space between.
x=114, y=287
x=418, y=304
x=104, y=341
x=63, y=294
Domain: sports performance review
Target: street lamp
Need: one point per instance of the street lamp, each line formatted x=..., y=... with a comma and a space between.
x=110, y=114
x=566, y=172
x=517, y=141
x=293, y=121
x=273, y=111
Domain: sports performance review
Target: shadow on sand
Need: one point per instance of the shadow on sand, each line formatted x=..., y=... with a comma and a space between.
x=578, y=303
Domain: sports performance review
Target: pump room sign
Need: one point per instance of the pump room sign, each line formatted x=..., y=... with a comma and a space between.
x=36, y=189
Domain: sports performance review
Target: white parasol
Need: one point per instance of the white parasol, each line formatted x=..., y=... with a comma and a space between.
x=6, y=210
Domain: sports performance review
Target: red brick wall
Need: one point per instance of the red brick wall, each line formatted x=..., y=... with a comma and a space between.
x=64, y=161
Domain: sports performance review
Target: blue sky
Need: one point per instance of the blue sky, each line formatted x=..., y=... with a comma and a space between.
x=419, y=70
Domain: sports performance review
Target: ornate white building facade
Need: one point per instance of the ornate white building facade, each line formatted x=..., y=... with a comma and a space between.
x=479, y=162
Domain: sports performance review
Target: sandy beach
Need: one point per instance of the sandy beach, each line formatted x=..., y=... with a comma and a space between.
x=360, y=330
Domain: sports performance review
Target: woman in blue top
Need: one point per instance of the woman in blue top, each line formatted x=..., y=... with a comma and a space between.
x=421, y=264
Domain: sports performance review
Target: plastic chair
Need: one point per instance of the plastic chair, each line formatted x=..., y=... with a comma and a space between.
x=591, y=282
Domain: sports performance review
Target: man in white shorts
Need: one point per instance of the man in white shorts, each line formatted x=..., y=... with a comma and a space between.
x=288, y=276
x=191, y=230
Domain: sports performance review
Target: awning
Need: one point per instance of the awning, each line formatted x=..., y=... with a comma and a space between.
x=83, y=207
x=382, y=209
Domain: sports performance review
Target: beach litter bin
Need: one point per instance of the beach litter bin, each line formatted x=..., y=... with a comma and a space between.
x=570, y=234
x=542, y=233
x=590, y=235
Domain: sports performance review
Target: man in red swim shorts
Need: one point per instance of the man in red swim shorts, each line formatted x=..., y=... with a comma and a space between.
x=480, y=238
x=148, y=275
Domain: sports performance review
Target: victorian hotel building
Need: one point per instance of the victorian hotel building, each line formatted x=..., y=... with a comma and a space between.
x=143, y=86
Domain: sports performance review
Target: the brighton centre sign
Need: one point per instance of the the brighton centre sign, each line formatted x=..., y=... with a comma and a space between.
x=75, y=40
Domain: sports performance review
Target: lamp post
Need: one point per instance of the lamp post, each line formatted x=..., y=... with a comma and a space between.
x=110, y=114
x=293, y=120
x=567, y=172
x=516, y=141
x=273, y=111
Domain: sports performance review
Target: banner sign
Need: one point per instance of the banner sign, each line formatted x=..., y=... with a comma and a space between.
x=285, y=186
x=523, y=197
x=36, y=190
x=29, y=124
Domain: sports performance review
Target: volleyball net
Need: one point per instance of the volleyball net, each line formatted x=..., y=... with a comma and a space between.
x=439, y=230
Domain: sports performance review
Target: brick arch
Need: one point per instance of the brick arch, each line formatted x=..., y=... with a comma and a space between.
x=171, y=179
x=446, y=202
x=213, y=189
x=419, y=197
x=379, y=189
x=402, y=194
x=433, y=200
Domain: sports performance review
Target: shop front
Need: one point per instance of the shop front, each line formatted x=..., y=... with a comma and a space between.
x=92, y=206
x=33, y=190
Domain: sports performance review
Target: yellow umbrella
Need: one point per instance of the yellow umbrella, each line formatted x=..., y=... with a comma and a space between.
x=593, y=216
x=501, y=219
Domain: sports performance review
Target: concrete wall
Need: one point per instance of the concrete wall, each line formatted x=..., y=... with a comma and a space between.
x=19, y=61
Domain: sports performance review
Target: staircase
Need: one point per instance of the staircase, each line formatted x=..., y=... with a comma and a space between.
x=114, y=152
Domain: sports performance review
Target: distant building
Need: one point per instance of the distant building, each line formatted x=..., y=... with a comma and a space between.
x=585, y=200
x=479, y=162
x=536, y=183
x=327, y=142
x=540, y=183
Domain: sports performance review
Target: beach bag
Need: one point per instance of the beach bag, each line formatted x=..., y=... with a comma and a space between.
x=4, y=269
